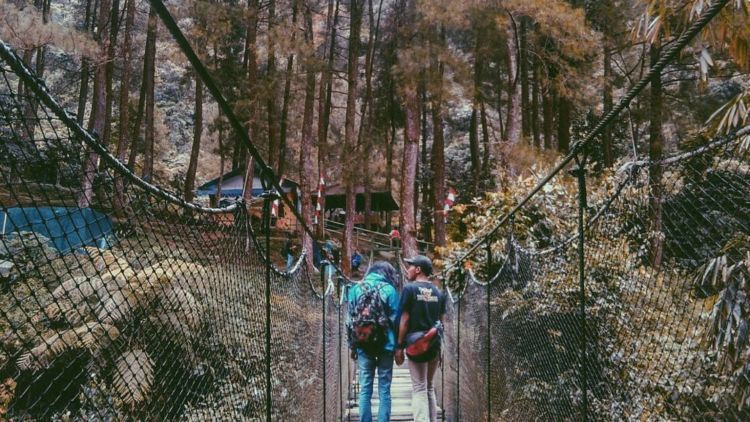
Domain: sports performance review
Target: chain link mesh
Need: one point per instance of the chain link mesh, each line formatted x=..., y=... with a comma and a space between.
x=656, y=340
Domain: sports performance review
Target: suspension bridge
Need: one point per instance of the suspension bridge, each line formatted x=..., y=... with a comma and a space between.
x=169, y=312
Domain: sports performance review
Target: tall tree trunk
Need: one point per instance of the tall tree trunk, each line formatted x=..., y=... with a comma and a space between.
x=563, y=124
x=476, y=159
x=150, y=74
x=418, y=165
x=366, y=122
x=409, y=171
x=499, y=89
x=222, y=154
x=486, y=176
x=408, y=89
x=513, y=125
x=350, y=152
x=655, y=153
x=524, y=77
x=127, y=55
x=250, y=62
x=390, y=143
x=324, y=106
x=307, y=179
x=31, y=105
x=114, y=27
x=287, y=95
x=535, y=103
x=548, y=119
x=197, y=134
x=271, y=104
x=136, y=144
x=98, y=112
x=41, y=51
x=607, y=106
x=83, y=92
x=474, y=154
x=438, y=160
x=123, y=139
x=424, y=177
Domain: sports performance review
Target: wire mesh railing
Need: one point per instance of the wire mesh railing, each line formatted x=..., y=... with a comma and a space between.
x=141, y=305
x=641, y=339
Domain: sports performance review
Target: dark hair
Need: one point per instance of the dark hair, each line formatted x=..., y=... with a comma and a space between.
x=386, y=270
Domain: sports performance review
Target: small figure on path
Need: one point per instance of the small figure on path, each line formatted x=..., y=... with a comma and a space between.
x=373, y=303
x=395, y=237
x=331, y=258
x=356, y=260
x=288, y=251
x=422, y=308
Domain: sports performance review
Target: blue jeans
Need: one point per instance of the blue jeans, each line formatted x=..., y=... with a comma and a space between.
x=367, y=365
x=289, y=262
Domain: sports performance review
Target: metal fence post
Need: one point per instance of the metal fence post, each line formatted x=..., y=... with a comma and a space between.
x=458, y=360
x=341, y=345
x=268, y=196
x=489, y=342
x=580, y=173
x=324, y=267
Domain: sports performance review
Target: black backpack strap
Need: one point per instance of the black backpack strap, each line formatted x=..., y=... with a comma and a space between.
x=387, y=306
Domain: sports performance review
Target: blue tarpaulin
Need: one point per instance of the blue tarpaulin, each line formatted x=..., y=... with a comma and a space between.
x=67, y=228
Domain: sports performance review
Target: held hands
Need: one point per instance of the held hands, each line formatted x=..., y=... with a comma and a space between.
x=399, y=356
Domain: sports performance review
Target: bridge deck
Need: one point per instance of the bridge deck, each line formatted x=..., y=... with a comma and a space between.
x=400, y=397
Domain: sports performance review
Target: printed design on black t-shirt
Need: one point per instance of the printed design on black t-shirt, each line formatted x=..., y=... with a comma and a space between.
x=425, y=295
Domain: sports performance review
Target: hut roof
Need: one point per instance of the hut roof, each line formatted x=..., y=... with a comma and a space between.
x=232, y=184
x=336, y=198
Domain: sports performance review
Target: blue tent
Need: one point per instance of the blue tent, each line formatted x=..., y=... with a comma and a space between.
x=67, y=228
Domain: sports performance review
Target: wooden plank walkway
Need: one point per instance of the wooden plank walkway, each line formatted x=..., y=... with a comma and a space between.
x=400, y=397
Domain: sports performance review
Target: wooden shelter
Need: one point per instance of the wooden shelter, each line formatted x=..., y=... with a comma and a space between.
x=382, y=203
x=232, y=186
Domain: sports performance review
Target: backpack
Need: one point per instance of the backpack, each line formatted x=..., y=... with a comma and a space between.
x=369, y=322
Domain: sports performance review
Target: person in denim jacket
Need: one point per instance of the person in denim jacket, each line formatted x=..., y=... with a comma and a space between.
x=381, y=276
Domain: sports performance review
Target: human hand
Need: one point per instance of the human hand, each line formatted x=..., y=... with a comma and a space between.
x=399, y=356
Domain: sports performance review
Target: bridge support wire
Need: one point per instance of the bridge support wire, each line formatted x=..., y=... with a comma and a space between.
x=458, y=360
x=269, y=196
x=487, y=334
x=580, y=173
x=325, y=354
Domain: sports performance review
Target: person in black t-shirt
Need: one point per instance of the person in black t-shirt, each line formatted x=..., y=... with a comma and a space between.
x=422, y=308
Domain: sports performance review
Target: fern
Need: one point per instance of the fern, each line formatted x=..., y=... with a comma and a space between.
x=116, y=306
x=133, y=376
x=182, y=312
x=100, y=258
x=77, y=287
x=92, y=336
x=70, y=297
